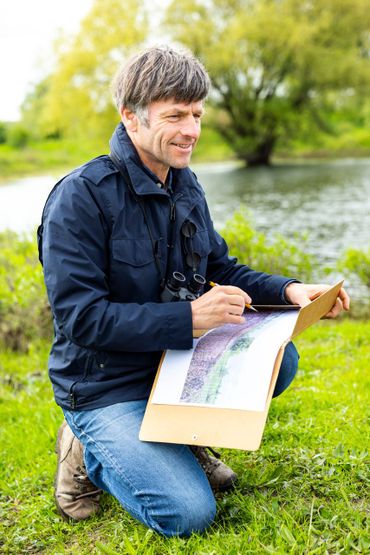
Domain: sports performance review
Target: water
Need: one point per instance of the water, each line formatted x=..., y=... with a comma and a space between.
x=329, y=202
x=22, y=201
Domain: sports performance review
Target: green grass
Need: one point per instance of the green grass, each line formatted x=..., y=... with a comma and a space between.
x=304, y=492
x=43, y=156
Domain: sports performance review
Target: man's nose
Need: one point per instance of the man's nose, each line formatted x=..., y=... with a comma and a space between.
x=190, y=128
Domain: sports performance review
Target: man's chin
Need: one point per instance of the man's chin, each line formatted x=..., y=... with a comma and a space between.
x=181, y=164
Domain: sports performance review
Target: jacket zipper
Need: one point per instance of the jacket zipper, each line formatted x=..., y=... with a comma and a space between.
x=170, y=244
x=72, y=395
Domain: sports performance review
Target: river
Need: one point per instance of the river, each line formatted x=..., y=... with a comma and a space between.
x=328, y=201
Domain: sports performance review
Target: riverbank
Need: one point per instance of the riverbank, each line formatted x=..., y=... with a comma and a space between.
x=41, y=157
x=54, y=155
x=303, y=491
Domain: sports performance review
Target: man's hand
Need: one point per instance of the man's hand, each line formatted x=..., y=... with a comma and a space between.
x=303, y=293
x=221, y=305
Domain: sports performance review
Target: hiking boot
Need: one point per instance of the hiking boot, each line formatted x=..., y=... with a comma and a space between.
x=76, y=496
x=220, y=476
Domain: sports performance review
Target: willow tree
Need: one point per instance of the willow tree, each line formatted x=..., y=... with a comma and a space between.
x=275, y=63
x=75, y=100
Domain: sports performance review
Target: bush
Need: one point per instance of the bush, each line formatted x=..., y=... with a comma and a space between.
x=3, y=132
x=18, y=136
x=357, y=262
x=24, y=309
x=278, y=257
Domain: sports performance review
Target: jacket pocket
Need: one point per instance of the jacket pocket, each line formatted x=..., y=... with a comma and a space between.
x=201, y=243
x=135, y=252
x=73, y=390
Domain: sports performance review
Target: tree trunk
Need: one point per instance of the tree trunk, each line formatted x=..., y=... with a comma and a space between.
x=261, y=155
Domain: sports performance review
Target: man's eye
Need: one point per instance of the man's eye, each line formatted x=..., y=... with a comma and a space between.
x=174, y=117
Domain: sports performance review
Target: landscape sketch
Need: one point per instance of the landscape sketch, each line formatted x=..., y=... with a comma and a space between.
x=230, y=366
x=216, y=357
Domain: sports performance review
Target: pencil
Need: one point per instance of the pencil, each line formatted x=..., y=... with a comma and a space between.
x=247, y=305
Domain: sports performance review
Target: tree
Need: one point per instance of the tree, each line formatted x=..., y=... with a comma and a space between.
x=274, y=64
x=33, y=107
x=75, y=99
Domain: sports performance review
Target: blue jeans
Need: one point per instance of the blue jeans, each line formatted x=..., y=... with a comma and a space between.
x=162, y=485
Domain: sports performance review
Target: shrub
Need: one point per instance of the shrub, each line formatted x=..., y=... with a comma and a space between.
x=357, y=262
x=24, y=309
x=3, y=132
x=18, y=136
x=277, y=257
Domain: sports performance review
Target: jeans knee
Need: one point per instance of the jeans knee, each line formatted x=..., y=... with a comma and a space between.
x=186, y=519
x=288, y=369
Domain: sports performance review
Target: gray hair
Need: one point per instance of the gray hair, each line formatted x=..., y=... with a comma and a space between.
x=159, y=73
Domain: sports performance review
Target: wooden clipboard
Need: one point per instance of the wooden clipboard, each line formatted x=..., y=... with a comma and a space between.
x=232, y=428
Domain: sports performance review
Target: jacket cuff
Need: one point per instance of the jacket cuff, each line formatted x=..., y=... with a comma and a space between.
x=179, y=326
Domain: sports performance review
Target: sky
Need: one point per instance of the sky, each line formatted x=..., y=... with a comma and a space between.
x=27, y=31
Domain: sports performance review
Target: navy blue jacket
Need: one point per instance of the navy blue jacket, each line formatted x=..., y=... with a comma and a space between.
x=104, y=286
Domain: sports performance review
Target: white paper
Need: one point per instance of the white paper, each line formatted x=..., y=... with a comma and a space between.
x=229, y=367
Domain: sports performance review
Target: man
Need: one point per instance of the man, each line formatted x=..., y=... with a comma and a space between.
x=113, y=233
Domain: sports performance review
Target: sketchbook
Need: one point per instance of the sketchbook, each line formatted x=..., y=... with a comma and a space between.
x=218, y=393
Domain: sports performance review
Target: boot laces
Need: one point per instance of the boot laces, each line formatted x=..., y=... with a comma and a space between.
x=84, y=484
x=208, y=463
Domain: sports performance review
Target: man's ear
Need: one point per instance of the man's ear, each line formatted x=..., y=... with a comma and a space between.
x=129, y=119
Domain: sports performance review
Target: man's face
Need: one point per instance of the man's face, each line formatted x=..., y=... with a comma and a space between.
x=169, y=139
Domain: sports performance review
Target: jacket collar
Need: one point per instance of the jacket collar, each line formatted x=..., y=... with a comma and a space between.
x=144, y=181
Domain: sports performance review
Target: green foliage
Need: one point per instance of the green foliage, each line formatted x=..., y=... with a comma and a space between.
x=305, y=491
x=277, y=65
x=279, y=256
x=57, y=156
x=33, y=107
x=75, y=101
x=287, y=76
x=24, y=310
x=357, y=262
x=3, y=132
x=17, y=135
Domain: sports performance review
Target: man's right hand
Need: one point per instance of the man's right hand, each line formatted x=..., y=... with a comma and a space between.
x=221, y=305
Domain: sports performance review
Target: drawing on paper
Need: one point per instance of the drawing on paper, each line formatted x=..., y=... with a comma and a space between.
x=228, y=367
x=216, y=358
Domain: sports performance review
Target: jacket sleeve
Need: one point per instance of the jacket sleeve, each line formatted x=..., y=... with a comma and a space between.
x=75, y=257
x=223, y=269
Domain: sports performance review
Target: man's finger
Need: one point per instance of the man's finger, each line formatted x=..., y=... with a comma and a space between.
x=335, y=310
x=232, y=290
x=303, y=301
x=344, y=297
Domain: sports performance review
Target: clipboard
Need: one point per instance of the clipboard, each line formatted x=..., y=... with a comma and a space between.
x=220, y=427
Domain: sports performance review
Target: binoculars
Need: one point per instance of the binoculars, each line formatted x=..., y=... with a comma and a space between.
x=177, y=290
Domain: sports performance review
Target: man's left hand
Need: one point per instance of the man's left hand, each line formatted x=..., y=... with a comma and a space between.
x=303, y=293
